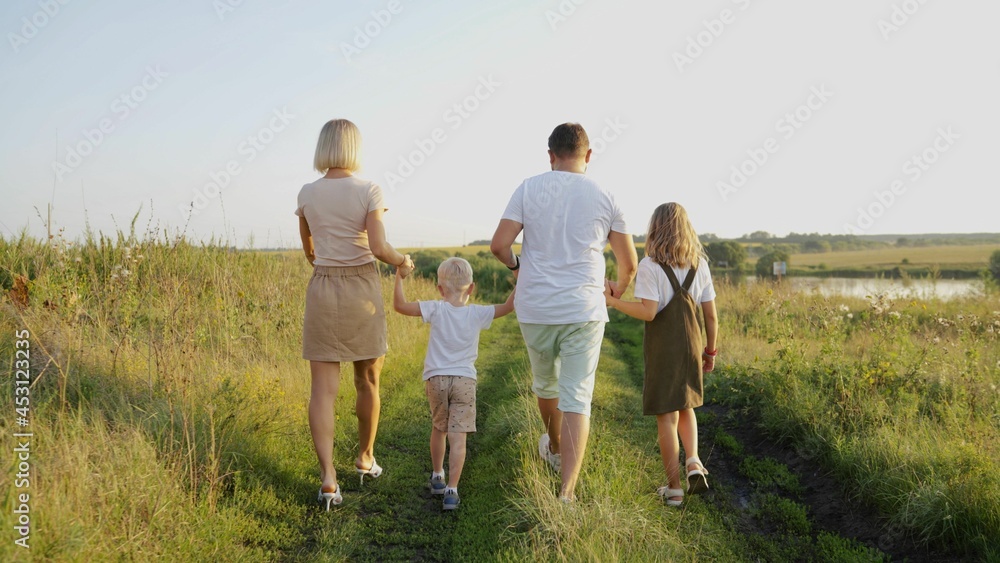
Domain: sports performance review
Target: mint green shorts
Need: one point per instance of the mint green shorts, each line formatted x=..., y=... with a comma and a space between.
x=564, y=362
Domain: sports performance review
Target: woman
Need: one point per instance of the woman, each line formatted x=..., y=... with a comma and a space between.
x=340, y=221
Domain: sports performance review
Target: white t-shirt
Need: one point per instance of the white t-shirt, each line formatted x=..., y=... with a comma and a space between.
x=567, y=218
x=454, y=341
x=652, y=283
x=337, y=212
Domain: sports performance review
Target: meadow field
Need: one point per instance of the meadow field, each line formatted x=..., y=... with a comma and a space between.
x=942, y=256
x=168, y=420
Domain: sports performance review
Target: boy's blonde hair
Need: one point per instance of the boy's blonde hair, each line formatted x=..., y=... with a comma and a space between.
x=339, y=146
x=455, y=274
x=671, y=239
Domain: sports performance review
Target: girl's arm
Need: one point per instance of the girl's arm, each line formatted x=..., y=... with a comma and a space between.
x=307, y=240
x=399, y=302
x=711, y=334
x=381, y=247
x=505, y=309
x=644, y=311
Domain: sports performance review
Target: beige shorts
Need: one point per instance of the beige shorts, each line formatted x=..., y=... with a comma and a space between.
x=345, y=317
x=453, y=402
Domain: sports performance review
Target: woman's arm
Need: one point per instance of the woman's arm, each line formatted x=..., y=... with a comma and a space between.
x=506, y=308
x=399, y=302
x=307, y=240
x=379, y=246
x=644, y=311
x=711, y=334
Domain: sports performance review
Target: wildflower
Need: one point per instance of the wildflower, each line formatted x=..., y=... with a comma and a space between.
x=125, y=273
x=849, y=316
x=894, y=314
x=936, y=340
x=844, y=308
x=78, y=260
x=961, y=318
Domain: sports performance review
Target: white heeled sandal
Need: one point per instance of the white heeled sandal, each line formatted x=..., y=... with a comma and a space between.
x=374, y=471
x=330, y=497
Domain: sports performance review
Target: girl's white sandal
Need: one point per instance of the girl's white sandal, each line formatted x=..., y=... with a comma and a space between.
x=666, y=493
x=697, y=482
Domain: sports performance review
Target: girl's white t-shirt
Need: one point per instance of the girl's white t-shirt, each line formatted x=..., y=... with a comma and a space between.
x=453, y=345
x=651, y=282
x=336, y=210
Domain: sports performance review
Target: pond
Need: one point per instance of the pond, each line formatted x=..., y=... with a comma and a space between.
x=894, y=288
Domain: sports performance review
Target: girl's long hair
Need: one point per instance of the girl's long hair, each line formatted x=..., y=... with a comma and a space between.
x=671, y=239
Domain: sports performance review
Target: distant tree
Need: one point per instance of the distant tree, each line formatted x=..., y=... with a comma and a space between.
x=902, y=242
x=816, y=246
x=758, y=235
x=479, y=243
x=995, y=265
x=708, y=237
x=765, y=265
x=730, y=252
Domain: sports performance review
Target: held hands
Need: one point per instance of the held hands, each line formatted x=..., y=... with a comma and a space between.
x=609, y=294
x=406, y=268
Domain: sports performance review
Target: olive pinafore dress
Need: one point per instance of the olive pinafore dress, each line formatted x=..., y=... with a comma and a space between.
x=671, y=346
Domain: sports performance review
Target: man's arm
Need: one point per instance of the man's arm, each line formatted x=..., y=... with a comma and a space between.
x=628, y=261
x=399, y=302
x=503, y=241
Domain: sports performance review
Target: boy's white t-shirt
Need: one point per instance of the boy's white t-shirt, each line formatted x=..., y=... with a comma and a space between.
x=567, y=218
x=652, y=283
x=454, y=340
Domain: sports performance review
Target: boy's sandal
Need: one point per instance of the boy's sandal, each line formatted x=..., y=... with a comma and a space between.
x=697, y=482
x=668, y=494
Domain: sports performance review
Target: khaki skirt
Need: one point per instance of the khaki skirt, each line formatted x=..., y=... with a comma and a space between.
x=345, y=317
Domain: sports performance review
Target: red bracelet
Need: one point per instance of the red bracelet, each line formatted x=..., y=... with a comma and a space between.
x=711, y=354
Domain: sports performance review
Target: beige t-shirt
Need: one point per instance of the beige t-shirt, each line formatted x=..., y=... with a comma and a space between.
x=336, y=210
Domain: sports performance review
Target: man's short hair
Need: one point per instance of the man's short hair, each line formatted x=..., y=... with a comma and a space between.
x=568, y=140
x=455, y=274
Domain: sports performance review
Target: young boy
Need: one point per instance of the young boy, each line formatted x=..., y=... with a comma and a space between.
x=449, y=368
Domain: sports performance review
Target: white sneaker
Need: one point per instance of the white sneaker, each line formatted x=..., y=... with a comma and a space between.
x=554, y=460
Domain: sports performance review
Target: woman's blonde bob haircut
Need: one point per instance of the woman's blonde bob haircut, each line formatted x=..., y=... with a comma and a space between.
x=671, y=239
x=339, y=146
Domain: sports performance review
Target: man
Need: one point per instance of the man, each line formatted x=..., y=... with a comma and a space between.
x=567, y=220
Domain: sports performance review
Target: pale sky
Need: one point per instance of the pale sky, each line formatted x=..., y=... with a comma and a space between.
x=188, y=89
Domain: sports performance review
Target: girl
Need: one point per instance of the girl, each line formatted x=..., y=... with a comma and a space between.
x=671, y=277
x=340, y=221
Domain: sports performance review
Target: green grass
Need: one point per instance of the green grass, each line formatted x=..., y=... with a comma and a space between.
x=169, y=413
